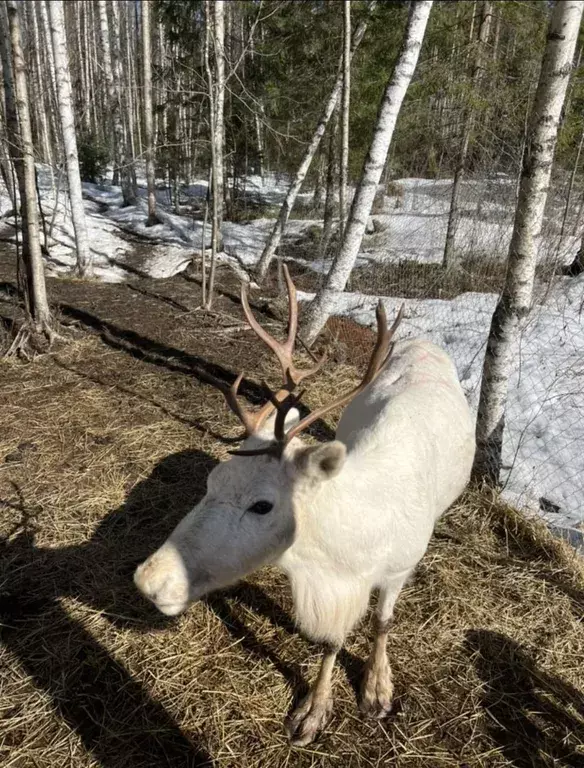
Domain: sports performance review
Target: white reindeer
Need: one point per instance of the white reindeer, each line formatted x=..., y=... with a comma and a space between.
x=340, y=518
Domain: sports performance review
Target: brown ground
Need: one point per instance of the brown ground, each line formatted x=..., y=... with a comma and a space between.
x=106, y=443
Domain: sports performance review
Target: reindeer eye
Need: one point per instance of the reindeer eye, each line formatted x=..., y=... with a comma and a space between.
x=261, y=507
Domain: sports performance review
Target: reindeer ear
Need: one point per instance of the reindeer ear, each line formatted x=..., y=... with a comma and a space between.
x=321, y=462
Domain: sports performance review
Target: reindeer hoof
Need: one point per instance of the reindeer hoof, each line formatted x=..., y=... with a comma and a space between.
x=308, y=720
x=377, y=690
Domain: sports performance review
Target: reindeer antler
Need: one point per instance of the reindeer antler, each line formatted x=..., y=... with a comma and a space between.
x=291, y=375
x=382, y=352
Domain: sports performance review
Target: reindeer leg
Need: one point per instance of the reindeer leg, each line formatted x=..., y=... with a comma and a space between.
x=313, y=713
x=377, y=686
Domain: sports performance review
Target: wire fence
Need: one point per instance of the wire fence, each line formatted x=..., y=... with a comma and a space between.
x=401, y=260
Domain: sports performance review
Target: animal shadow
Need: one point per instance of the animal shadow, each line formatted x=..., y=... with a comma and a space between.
x=113, y=714
x=535, y=718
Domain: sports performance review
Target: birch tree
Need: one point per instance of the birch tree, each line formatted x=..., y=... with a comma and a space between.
x=332, y=179
x=50, y=88
x=12, y=157
x=147, y=102
x=219, y=136
x=39, y=319
x=280, y=225
x=41, y=108
x=64, y=100
x=321, y=307
x=113, y=98
x=453, y=217
x=124, y=137
x=215, y=30
x=514, y=303
x=345, y=108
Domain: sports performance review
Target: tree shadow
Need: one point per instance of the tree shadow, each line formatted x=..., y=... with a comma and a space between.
x=113, y=714
x=261, y=603
x=178, y=361
x=524, y=547
x=535, y=718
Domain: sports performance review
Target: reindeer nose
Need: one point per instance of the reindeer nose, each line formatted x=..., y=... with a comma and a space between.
x=162, y=578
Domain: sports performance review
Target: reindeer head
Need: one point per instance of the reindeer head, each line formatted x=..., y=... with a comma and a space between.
x=252, y=509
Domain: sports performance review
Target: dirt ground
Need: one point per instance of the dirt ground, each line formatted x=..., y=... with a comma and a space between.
x=106, y=443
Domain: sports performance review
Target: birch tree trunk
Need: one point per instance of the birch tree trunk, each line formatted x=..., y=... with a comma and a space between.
x=124, y=158
x=52, y=89
x=13, y=153
x=219, y=134
x=64, y=99
x=332, y=178
x=36, y=294
x=280, y=225
x=477, y=76
x=211, y=195
x=147, y=75
x=41, y=108
x=345, y=104
x=514, y=304
x=104, y=40
x=321, y=307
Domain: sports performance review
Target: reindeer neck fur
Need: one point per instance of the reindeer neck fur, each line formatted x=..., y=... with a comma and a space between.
x=375, y=518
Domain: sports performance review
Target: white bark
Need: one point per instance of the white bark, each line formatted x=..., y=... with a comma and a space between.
x=215, y=29
x=345, y=104
x=219, y=136
x=13, y=154
x=50, y=65
x=332, y=179
x=109, y=80
x=514, y=304
x=37, y=295
x=42, y=6
x=64, y=98
x=477, y=76
x=147, y=74
x=280, y=225
x=41, y=107
x=123, y=158
x=321, y=307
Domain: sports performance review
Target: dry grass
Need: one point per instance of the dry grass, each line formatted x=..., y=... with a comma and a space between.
x=100, y=455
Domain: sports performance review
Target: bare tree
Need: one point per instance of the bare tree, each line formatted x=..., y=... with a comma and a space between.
x=280, y=225
x=148, y=123
x=41, y=107
x=111, y=57
x=215, y=30
x=12, y=160
x=345, y=105
x=124, y=137
x=332, y=180
x=64, y=100
x=50, y=91
x=515, y=301
x=320, y=308
x=39, y=320
x=477, y=76
x=219, y=136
